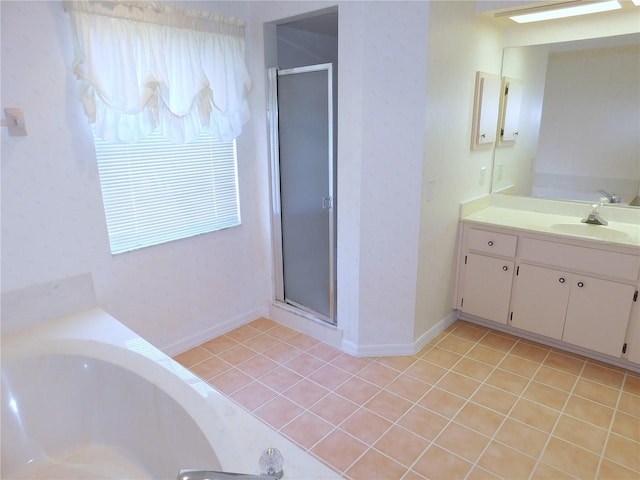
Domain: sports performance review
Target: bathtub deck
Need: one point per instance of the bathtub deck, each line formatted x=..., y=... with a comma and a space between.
x=85, y=397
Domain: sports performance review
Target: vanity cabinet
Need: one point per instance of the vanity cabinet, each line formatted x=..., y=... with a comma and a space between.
x=487, y=287
x=598, y=314
x=577, y=309
x=488, y=274
x=577, y=293
x=540, y=300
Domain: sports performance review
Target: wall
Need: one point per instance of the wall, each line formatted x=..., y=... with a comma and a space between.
x=351, y=42
x=380, y=143
x=405, y=97
x=460, y=43
x=393, y=54
x=52, y=218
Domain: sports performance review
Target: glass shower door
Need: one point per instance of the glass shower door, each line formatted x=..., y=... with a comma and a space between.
x=305, y=167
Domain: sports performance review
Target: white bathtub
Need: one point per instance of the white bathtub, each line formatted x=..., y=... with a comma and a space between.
x=84, y=397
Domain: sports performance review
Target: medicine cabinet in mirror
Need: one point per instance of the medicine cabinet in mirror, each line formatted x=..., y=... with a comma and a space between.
x=485, y=110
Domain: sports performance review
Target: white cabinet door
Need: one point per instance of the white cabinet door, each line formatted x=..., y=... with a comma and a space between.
x=598, y=314
x=487, y=287
x=540, y=300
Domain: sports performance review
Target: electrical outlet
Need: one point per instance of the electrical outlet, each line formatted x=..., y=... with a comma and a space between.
x=483, y=174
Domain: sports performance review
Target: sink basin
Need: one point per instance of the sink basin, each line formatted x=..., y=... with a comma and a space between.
x=601, y=232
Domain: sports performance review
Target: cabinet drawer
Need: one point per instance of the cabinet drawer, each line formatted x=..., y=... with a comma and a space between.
x=599, y=262
x=492, y=242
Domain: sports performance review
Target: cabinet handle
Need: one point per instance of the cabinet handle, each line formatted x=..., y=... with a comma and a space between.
x=505, y=268
x=561, y=280
x=580, y=284
x=490, y=243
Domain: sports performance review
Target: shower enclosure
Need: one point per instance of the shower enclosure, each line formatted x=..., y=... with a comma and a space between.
x=301, y=128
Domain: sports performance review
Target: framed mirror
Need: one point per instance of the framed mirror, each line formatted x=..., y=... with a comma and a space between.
x=578, y=129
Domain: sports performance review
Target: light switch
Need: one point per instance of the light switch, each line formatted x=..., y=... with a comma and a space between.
x=14, y=122
x=428, y=190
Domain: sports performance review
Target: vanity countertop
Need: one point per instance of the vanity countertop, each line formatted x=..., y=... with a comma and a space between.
x=619, y=233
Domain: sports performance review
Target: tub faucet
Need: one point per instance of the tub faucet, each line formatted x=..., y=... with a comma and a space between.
x=611, y=197
x=594, y=217
x=186, y=474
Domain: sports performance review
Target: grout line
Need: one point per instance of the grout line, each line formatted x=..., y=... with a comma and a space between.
x=400, y=371
x=610, y=429
x=506, y=416
x=555, y=425
x=362, y=406
x=395, y=423
x=450, y=420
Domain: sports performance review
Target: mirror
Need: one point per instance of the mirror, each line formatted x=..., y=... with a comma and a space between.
x=579, y=124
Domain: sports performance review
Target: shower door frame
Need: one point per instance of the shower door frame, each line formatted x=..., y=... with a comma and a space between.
x=276, y=207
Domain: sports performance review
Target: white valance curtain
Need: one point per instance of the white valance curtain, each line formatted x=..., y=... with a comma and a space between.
x=148, y=65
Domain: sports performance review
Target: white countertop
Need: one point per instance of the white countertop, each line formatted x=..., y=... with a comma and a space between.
x=618, y=233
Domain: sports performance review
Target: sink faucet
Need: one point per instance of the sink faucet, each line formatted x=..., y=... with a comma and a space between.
x=611, y=197
x=594, y=217
x=186, y=474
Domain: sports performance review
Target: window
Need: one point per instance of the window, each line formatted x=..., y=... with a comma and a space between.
x=155, y=191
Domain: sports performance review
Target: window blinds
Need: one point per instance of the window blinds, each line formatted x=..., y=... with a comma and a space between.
x=155, y=191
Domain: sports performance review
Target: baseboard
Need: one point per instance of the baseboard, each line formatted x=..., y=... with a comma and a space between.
x=326, y=333
x=618, y=362
x=430, y=334
x=212, y=332
x=380, y=350
x=390, y=350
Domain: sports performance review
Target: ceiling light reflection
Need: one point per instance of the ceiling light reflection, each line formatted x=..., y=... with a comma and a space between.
x=573, y=11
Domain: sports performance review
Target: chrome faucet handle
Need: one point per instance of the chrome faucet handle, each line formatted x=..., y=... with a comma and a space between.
x=594, y=217
x=188, y=474
x=607, y=197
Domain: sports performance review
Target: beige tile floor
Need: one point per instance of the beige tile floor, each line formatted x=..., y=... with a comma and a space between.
x=474, y=403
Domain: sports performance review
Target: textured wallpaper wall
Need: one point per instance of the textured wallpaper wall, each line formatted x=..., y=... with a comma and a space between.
x=52, y=218
x=405, y=96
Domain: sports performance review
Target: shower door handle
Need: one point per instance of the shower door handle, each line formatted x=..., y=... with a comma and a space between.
x=327, y=203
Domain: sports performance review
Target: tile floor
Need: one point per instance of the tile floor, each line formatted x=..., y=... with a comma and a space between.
x=474, y=403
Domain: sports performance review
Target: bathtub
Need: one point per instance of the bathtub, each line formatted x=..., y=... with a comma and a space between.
x=84, y=397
